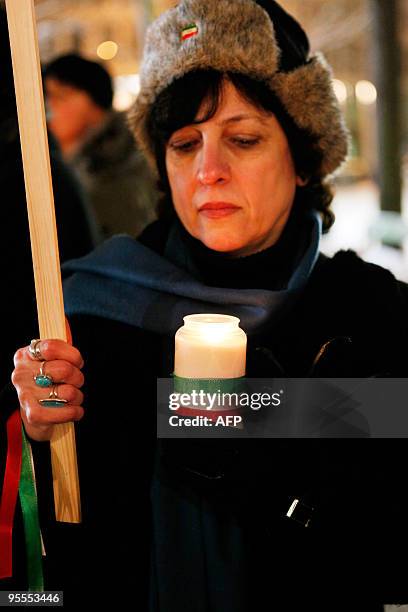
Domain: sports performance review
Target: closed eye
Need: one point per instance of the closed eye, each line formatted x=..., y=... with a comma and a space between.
x=246, y=143
x=183, y=147
x=188, y=146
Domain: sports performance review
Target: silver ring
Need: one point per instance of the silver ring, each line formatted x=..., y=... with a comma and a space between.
x=34, y=350
x=42, y=379
x=53, y=401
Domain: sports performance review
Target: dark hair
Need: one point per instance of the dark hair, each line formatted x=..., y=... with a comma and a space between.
x=178, y=106
x=83, y=74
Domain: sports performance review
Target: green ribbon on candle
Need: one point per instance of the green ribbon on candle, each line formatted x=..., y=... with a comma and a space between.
x=218, y=388
x=209, y=385
x=29, y=507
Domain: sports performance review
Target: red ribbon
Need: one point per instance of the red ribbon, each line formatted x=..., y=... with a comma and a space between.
x=10, y=491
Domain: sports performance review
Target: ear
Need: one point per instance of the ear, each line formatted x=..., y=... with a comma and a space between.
x=301, y=181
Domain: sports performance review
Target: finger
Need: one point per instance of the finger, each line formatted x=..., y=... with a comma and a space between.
x=63, y=372
x=54, y=350
x=65, y=392
x=21, y=356
x=34, y=414
x=37, y=414
x=59, y=371
x=70, y=393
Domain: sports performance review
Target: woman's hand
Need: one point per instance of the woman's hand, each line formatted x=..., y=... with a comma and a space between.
x=60, y=361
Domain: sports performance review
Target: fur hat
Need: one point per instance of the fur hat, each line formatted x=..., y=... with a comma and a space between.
x=239, y=36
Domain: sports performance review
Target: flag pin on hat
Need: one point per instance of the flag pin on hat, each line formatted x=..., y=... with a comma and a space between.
x=190, y=30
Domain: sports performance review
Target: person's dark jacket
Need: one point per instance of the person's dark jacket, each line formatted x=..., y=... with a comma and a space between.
x=116, y=178
x=228, y=499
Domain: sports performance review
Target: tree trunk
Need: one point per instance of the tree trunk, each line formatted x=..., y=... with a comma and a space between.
x=387, y=56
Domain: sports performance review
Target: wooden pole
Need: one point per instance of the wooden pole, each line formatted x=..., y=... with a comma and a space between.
x=43, y=231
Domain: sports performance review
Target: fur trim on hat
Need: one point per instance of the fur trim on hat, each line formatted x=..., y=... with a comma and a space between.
x=237, y=36
x=307, y=95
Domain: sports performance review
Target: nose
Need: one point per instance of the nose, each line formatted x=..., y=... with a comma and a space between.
x=213, y=167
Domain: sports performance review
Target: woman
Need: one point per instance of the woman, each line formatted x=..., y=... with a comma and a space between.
x=97, y=144
x=243, y=128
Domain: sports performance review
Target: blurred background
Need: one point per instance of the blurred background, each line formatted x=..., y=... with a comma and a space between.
x=366, y=42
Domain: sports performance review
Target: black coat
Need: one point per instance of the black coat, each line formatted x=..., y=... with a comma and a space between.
x=200, y=525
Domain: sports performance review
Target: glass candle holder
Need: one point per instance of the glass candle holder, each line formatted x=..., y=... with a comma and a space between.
x=210, y=346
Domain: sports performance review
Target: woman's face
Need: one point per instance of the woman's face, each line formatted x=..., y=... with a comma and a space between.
x=72, y=111
x=232, y=177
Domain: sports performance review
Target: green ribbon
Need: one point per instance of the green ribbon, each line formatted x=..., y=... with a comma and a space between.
x=29, y=507
x=209, y=385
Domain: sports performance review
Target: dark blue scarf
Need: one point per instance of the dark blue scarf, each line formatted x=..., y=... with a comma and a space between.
x=128, y=282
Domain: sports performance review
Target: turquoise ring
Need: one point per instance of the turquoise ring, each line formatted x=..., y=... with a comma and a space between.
x=42, y=379
x=53, y=401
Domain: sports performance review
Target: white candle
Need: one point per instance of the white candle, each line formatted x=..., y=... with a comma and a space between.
x=210, y=346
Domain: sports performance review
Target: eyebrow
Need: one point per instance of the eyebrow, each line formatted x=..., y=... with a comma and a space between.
x=234, y=119
x=242, y=117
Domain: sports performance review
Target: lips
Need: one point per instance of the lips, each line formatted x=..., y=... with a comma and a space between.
x=216, y=210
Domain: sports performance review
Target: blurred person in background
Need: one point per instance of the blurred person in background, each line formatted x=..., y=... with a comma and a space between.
x=76, y=227
x=97, y=143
